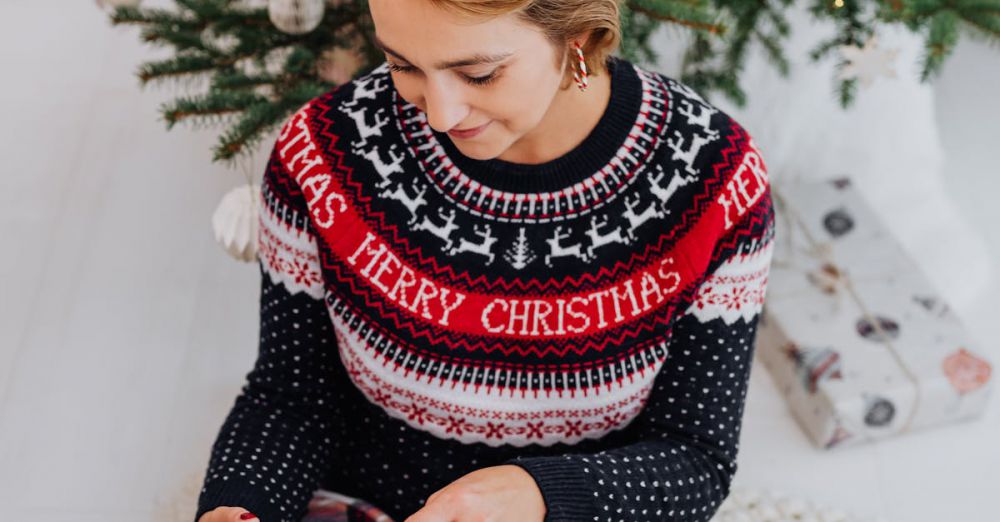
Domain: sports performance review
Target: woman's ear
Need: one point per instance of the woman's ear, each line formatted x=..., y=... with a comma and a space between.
x=570, y=58
x=582, y=39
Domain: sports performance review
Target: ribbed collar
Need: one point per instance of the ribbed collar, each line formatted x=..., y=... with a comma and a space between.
x=588, y=157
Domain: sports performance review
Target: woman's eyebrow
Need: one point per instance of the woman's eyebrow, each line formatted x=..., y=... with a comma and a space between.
x=475, y=59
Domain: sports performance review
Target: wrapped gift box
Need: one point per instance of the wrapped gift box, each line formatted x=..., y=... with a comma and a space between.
x=852, y=331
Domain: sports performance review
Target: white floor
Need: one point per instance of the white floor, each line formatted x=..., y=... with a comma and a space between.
x=125, y=332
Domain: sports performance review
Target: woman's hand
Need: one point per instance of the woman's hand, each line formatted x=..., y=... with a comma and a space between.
x=504, y=493
x=227, y=514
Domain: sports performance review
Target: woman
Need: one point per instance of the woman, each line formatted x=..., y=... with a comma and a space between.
x=505, y=276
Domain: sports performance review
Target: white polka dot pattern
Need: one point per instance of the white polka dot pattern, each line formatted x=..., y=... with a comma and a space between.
x=280, y=437
x=277, y=440
x=689, y=430
x=301, y=423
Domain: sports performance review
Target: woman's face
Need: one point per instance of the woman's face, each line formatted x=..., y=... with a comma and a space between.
x=501, y=73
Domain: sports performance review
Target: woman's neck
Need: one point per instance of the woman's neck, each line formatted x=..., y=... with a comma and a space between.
x=571, y=117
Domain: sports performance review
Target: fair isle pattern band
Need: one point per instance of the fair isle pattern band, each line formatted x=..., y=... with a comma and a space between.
x=590, y=379
x=289, y=254
x=540, y=207
x=737, y=287
x=477, y=413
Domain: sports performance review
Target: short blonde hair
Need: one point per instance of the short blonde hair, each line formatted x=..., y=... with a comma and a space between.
x=560, y=21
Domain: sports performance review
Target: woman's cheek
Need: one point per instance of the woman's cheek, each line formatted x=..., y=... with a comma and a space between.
x=407, y=90
x=512, y=107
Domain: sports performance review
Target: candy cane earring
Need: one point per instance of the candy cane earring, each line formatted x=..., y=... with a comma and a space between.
x=581, y=75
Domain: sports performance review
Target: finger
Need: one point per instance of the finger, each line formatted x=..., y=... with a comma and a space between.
x=440, y=512
x=432, y=497
x=231, y=514
x=246, y=515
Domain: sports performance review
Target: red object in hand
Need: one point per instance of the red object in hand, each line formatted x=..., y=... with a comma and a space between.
x=247, y=516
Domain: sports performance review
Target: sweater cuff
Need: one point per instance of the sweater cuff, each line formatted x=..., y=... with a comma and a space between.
x=233, y=493
x=568, y=494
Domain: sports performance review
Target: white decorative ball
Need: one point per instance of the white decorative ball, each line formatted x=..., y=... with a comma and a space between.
x=235, y=222
x=296, y=16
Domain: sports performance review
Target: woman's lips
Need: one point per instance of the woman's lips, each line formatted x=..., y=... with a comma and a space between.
x=470, y=133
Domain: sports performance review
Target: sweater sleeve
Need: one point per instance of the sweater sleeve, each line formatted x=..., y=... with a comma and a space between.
x=688, y=432
x=273, y=447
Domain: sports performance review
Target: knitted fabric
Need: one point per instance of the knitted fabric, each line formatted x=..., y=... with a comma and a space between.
x=424, y=314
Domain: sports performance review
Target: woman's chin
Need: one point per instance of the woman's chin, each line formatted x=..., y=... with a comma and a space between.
x=478, y=151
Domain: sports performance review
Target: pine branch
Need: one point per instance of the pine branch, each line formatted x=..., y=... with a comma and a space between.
x=985, y=31
x=152, y=16
x=846, y=91
x=235, y=80
x=205, y=9
x=639, y=27
x=178, y=66
x=774, y=52
x=181, y=39
x=690, y=14
x=780, y=23
x=259, y=74
x=982, y=20
x=208, y=105
x=261, y=117
x=941, y=40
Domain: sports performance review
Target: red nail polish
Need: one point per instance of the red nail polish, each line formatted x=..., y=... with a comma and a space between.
x=247, y=516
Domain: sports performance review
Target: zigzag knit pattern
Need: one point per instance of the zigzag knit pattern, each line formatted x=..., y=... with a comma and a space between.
x=424, y=314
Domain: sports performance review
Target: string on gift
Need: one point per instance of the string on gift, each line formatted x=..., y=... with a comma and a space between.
x=835, y=281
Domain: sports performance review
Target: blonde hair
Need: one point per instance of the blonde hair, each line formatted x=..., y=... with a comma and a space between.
x=560, y=21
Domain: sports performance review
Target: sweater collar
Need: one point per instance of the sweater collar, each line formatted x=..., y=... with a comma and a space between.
x=595, y=152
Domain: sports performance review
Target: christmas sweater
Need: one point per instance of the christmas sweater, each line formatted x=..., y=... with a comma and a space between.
x=424, y=314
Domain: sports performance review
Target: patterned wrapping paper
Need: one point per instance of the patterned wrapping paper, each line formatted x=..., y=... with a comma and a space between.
x=853, y=333
x=331, y=506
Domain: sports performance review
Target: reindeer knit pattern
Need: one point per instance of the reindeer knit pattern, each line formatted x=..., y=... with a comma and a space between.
x=424, y=314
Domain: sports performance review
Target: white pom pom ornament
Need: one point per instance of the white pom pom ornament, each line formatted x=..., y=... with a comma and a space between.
x=235, y=222
x=296, y=16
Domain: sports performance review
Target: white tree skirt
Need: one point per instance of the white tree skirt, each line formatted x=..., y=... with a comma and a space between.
x=887, y=142
x=750, y=505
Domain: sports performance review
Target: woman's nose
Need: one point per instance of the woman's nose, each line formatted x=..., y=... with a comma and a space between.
x=444, y=106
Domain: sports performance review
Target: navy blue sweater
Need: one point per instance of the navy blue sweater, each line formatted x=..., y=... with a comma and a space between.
x=424, y=314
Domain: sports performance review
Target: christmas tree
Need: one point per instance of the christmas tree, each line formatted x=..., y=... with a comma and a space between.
x=520, y=255
x=264, y=59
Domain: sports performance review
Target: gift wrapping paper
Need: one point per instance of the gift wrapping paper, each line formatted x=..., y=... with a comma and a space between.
x=852, y=332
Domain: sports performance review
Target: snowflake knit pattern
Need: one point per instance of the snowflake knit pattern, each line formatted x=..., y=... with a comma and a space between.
x=424, y=314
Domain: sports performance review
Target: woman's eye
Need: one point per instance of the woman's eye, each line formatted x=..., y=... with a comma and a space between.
x=482, y=80
x=395, y=67
x=474, y=80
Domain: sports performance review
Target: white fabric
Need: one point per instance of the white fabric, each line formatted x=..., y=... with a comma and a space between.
x=887, y=142
x=755, y=505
